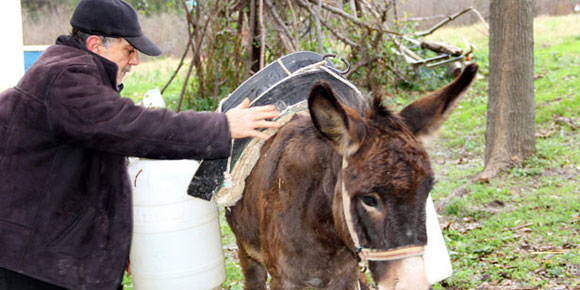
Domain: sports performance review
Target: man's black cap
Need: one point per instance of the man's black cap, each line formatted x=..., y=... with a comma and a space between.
x=112, y=18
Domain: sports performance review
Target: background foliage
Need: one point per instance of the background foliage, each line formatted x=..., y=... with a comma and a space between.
x=226, y=38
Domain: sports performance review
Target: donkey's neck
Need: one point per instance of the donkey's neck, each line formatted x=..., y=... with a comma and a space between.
x=310, y=166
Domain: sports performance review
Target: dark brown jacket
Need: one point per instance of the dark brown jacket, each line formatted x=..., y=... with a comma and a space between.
x=65, y=196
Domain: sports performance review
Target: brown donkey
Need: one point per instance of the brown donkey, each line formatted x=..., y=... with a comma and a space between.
x=337, y=186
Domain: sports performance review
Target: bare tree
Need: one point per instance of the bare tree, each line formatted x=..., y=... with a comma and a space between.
x=510, y=136
x=231, y=40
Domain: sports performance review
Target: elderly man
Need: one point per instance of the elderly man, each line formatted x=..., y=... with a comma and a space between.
x=65, y=197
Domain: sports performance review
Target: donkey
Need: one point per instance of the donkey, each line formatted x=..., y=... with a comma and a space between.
x=338, y=187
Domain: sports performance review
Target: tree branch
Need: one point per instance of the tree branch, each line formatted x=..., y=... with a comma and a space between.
x=480, y=18
x=353, y=8
x=338, y=35
x=345, y=15
x=361, y=63
x=318, y=29
x=443, y=22
x=250, y=48
x=278, y=20
x=179, y=66
x=294, y=24
x=195, y=50
x=262, y=33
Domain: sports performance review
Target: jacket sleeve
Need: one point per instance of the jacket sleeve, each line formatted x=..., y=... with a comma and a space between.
x=83, y=110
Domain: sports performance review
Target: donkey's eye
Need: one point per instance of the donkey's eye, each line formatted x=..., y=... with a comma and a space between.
x=370, y=200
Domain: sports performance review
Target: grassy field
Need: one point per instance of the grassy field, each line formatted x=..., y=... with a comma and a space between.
x=522, y=229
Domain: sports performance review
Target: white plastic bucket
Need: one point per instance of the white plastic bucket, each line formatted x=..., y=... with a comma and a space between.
x=437, y=262
x=176, y=238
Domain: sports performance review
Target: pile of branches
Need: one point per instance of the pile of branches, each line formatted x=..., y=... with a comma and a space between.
x=231, y=40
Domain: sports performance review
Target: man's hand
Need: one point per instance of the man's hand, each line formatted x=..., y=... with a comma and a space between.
x=244, y=121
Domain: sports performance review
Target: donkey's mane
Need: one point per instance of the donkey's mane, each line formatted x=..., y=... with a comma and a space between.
x=383, y=117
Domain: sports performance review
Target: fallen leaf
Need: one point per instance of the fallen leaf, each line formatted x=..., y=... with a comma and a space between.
x=544, y=133
x=496, y=203
x=566, y=121
x=483, y=179
x=521, y=226
x=446, y=228
x=524, y=244
x=568, y=246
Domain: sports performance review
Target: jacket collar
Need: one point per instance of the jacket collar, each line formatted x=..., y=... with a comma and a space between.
x=111, y=68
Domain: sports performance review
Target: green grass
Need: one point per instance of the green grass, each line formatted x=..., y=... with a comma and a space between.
x=507, y=231
x=235, y=279
x=155, y=74
x=520, y=230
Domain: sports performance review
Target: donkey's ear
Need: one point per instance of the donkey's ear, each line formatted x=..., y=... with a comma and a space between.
x=340, y=124
x=424, y=116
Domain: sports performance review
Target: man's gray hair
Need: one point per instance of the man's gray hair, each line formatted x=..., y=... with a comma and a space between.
x=81, y=37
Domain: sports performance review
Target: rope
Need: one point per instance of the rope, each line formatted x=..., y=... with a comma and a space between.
x=283, y=67
x=392, y=254
x=348, y=216
x=228, y=180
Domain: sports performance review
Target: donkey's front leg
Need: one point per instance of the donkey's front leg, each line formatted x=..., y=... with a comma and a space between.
x=255, y=274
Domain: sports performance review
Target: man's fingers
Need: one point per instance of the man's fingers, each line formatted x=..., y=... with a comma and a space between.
x=245, y=104
x=267, y=124
x=245, y=121
x=266, y=115
x=266, y=108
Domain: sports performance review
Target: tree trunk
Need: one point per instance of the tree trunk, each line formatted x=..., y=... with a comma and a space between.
x=197, y=54
x=262, y=33
x=256, y=42
x=510, y=135
x=253, y=49
x=353, y=8
x=318, y=12
x=238, y=51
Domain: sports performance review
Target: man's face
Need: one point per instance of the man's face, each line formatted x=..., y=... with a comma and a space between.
x=122, y=53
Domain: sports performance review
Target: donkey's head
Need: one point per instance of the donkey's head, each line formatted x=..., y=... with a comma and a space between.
x=385, y=177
